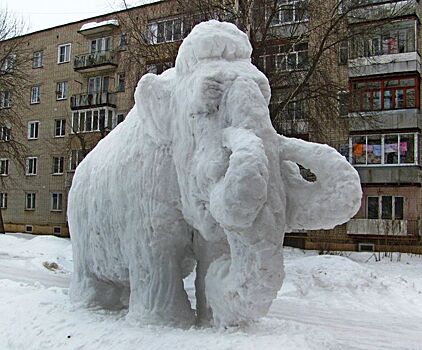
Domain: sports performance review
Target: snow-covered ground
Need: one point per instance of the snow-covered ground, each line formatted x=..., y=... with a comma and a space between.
x=326, y=302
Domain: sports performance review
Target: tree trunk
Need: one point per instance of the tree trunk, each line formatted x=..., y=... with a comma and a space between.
x=1, y=223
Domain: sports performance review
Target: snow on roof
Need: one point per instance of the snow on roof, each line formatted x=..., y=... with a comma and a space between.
x=91, y=25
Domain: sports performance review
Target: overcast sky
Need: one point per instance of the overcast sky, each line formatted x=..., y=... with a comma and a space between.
x=43, y=14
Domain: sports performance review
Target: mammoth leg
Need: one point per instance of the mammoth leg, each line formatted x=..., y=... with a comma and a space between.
x=156, y=274
x=90, y=291
x=205, y=253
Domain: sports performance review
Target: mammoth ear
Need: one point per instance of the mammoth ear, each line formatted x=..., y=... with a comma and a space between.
x=152, y=100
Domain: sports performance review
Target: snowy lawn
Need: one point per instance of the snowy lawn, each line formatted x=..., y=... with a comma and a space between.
x=326, y=302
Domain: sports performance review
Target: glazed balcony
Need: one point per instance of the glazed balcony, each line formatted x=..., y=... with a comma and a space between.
x=385, y=64
x=382, y=227
x=371, y=10
x=96, y=61
x=91, y=100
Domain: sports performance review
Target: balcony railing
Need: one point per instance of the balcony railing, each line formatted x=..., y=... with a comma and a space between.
x=97, y=99
x=93, y=60
x=379, y=227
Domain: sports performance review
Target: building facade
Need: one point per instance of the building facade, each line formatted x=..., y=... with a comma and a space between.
x=83, y=76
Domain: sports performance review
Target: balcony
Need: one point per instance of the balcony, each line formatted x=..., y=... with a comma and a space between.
x=91, y=100
x=385, y=64
x=96, y=61
x=379, y=227
x=372, y=10
x=295, y=127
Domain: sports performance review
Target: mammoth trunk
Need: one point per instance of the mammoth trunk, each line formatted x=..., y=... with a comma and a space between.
x=242, y=285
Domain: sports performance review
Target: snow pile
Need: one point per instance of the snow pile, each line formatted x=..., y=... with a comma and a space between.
x=92, y=25
x=37, y=315
x=197, y=174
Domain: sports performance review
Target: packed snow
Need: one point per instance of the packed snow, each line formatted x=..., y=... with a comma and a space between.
x=197, y=174
x=92, y=25
x=327, y=302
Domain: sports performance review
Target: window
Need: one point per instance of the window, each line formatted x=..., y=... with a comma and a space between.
x=3, y=200
x=385, y=94
x=343, y=103
x=8, y=63
x=28, y=228
x=58, y=165
x=92, y=120
x=343, y=52
x=121, y=81
x=75, y=158
x=61, y=90
x=385, y=207
x=158, y=68
x=285, y=58
x=37, y=59
x=63, y=53
x=165, y=31
x=120, y=118
x=385, y=40
x=123, y=41
x=5, y=99
x=35, y=94
x=56, y=201
x=4, y=167
x=33, y=130
x=57, y=230
x=388, y=149
x=31, y=166
x=30, y=201
x=289, y=11
x=98, y=84
x=59, y=127
x=5, y=133
x=100, y=44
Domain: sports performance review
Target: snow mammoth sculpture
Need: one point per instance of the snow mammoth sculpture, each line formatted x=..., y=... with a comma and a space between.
x=197, y=173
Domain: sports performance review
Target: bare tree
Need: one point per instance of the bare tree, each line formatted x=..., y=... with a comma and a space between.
x=301, y=45
x=13, y=80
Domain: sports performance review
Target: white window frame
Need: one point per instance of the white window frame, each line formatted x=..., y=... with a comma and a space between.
x=3, y=200
x=30, y=198
x=35, y=94
x=66, y=55
x=33, y=130
x=121, y=82
x=61, y=90
x=8, y=63
x=59, y=128
x=5, y=99
x=168, y=35
x=58, y=166
x=102, y=44
x=31, y=166
x=37, y=59
x=123, y=41
x=4, y=166
x=56, y=201
x=76, y=157
x=382, y=137
x=287, y=5
x=5, y=133
x=280, y=60
x=95, y=124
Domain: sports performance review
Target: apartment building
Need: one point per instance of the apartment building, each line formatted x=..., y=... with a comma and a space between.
x=383, y=70
x=84, y=73
x=81, y=86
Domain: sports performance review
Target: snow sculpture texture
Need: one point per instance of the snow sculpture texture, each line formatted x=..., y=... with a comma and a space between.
x=197, y=173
